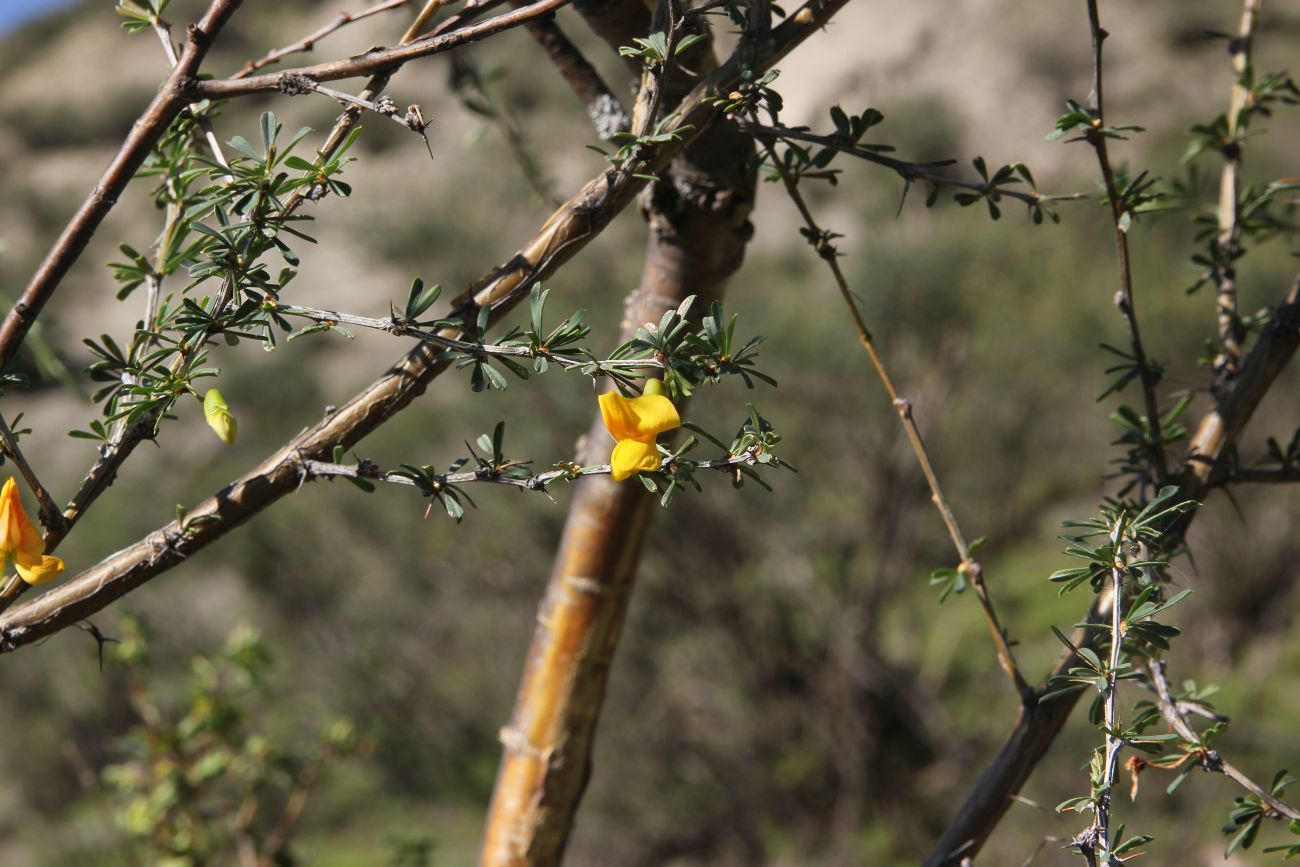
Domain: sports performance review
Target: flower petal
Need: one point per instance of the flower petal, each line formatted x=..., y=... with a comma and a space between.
x=641, y=417
x=37, y=569
x=634, y=456
x=17, y=533
x=10, y=534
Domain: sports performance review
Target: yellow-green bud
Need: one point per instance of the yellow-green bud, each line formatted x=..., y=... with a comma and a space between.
x=219, y=417
x=654, y=386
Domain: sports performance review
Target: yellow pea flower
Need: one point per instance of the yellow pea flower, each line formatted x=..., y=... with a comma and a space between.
x=21, y=541
x=635, y=422
x=220, y=418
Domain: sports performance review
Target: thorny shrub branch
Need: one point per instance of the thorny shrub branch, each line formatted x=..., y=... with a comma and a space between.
x=1175, y=715
x=379, y=61
x=1123, y=204
x=1229, y=236
x=968, y=567
x=565, y=232
x=49, y=510
x=126, y=436
x=308, y=42
x=910, y=172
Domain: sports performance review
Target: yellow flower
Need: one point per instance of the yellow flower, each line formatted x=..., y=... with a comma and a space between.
x=20, y=539
x=635, y=422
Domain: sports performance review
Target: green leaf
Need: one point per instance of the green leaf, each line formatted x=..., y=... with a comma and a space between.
x=269, y=128
x=245, y=147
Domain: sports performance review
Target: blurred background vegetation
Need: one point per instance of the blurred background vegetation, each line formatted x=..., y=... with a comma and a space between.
x=789, y=691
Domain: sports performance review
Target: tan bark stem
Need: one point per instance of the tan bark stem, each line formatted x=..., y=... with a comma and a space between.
x=699, y=227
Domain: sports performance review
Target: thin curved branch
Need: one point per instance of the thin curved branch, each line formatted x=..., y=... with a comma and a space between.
x=164, y=31
x=1211, y=760
x=308, y=42
x=376, y=61
x=49, y=511
x=967, y=564
x=908, y=171
x=1124, y=299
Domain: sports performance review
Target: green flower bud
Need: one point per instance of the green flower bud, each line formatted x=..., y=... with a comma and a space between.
x=219, y=417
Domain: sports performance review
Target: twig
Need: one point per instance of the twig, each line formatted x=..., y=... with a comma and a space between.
x=908, y=171
x=88, y=779
x=145, y=132
x=469, y=11
x=1173, y=714
x=1097, y=838
x=1124, y=298
x=603, y=107
x=397, y=328
x=380, y=60
x=308, y=42
x=968, y=566
x=164, y=31
x=346, y=121
x=1229, y=238
x=1259, y=475
x=295, y=85
x=50, y=515
x=492, y=476
x=278, y=839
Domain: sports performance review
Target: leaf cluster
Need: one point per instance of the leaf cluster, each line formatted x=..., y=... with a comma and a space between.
x=691, y=358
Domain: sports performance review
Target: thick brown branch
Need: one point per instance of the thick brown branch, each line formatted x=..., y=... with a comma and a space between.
x=144, y=134
x=696, y=242
x=698, y=230
x=1221, y=427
